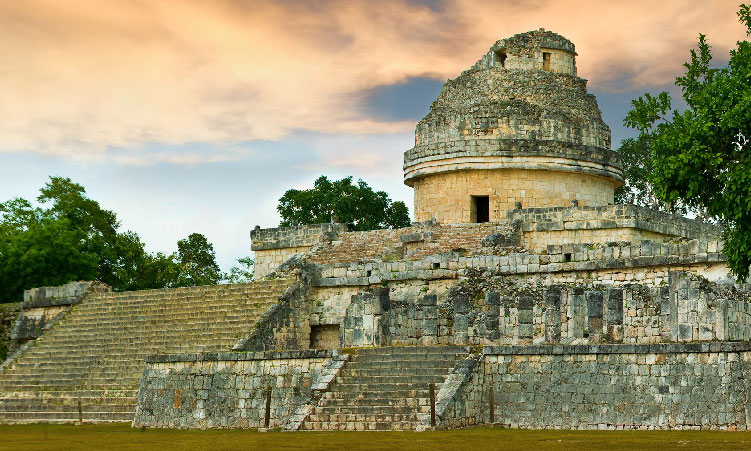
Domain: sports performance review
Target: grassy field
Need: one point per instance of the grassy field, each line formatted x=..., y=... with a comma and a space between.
x=123, y=437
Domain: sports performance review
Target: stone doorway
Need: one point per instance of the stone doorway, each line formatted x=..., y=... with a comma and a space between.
x=324, y=336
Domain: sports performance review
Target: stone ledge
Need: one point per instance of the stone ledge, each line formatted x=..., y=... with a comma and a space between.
x=242, y=356
x=656, y=348
x=298, y=236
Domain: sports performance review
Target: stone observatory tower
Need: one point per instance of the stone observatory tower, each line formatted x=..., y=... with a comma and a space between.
x=518, y=127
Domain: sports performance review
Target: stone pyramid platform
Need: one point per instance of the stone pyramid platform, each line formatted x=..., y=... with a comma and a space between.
x=88, y=366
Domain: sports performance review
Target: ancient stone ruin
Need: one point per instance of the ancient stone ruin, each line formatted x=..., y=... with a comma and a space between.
x=521, y=297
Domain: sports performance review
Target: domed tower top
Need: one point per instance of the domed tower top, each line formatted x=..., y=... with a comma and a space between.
x=516, y=128
x=532, y=50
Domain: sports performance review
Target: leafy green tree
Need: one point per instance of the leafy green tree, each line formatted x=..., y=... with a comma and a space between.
x=637, y=167
x=70, y=237
x=702, y=156
x=243, y=272
x=197, y=262
x=354, y=204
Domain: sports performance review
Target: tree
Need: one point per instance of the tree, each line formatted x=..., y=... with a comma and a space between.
x=702, y=156
x=243, y=272
x=70, y=237
x=356, y=205
x=638, y=189
x=197, y=262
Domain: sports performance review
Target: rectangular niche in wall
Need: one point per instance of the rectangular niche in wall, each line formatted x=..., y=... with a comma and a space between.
x=480, y=211
x=324, y=336
x=499, y=58
x=545, y=61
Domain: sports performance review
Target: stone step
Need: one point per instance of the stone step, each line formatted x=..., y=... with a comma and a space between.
x=385, y=370
x=369, y=410
x=391, y=379
x=93, y=407
x=358, y=426
x=358, y=388
x=101, y=343
x=65, y=417
x=412, y=402
x=384, y=388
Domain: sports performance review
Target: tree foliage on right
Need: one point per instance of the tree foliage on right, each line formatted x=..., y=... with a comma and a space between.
x=701, y=157
x=354, y=204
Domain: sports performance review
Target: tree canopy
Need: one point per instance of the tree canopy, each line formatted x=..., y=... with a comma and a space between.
x=702, y=156
x=638, y=189
x=71, y=237
x=354, y=204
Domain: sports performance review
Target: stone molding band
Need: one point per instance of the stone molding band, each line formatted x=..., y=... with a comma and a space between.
x=545, y=163
x=654, y=348
x=510, y=153
x=242, y=356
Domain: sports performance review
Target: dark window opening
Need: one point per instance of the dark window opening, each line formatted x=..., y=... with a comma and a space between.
x=436, y=265
x=500, y=58
x=480, y=208
x=566, y=258
x=370, y=273
x=545, y=61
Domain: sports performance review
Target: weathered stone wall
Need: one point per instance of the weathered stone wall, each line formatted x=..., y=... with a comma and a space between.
x=543, y=227
x=447, y=197
x=524, y=51
x=266, y=261
x=43, y=306
x=8, y=315
x=274, y=246
x=412, y=243
x=646, y=262
x=680, y=386
x=226, y=389
x=488, y=308
x=519, y=127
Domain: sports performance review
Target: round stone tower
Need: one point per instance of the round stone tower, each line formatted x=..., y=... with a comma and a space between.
x=518, y=127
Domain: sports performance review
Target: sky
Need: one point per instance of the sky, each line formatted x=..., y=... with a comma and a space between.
x=196, y=116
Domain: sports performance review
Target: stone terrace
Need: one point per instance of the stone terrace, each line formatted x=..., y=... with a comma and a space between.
x=94, y=357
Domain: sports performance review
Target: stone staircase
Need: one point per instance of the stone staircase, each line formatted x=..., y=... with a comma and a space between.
x=384, y=388
x=88, y=366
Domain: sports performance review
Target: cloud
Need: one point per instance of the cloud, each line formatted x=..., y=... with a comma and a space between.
x=86, y=79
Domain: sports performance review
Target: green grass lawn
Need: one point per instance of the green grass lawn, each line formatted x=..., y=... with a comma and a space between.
x=123, y=437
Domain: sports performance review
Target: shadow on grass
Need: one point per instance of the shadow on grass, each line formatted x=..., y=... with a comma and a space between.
x=123, y=437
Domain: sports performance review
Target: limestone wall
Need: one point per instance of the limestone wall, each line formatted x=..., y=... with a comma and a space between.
x=544, y=227
x=447, y=197
x=683, y=386
x=647, y=262
x=43, y=306
x=226, y=389
x=266, y=261
x=8, y=315
x=525, y=51
x=274, y=246
x=489, y=308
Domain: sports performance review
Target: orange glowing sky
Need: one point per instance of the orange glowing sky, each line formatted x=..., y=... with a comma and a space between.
x=106, y=91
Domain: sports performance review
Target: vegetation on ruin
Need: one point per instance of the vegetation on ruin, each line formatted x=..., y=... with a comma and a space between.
x=38, y=437
x=638, y=189
x=71, y=237
x=702, y=156
x=356, y=205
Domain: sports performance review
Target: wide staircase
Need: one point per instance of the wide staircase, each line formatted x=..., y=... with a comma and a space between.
x=384, y=389
x=88, y=366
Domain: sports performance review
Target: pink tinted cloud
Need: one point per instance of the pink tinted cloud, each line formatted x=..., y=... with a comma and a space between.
x=81, y=76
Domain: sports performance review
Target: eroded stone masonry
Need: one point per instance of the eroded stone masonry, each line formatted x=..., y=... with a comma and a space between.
x=521, y=296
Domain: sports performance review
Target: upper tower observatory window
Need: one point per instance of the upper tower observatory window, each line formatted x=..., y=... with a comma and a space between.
x=545, y=61
x=500, y=57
